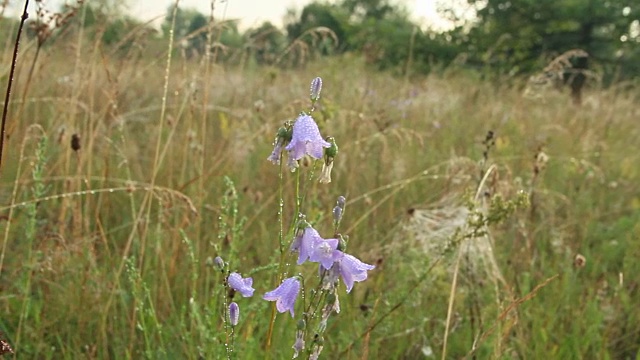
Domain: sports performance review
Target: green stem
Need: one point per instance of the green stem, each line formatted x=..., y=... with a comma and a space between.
x=272, y=320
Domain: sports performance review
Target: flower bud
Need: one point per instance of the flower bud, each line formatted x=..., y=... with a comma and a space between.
x=337, y=214
x=332, y=150
x=284, y=133
x=342, y=242
x=234, y=314
x=219, y=263
x=316, y=88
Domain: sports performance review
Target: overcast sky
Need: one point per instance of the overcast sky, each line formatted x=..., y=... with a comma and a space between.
x=251, y=12
x=254, y=12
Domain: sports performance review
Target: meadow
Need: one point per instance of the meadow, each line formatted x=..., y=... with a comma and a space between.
x=502, y=226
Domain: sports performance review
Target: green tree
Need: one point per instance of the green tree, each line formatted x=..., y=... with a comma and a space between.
x=316, y=15
x=266, y=43
x=190, y=28
x=370, y=9
x=521, y=36
x=381, y=31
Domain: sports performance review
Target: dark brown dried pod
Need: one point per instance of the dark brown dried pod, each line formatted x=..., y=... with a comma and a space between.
x=75, y=142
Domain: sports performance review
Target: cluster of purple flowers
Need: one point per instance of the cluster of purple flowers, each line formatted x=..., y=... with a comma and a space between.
x=311, y=246
x=299, y=139
x=333, y=263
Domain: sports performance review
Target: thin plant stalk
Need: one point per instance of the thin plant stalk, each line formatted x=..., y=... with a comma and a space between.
x=14, y=61
x=456, y=269
x=146, y=203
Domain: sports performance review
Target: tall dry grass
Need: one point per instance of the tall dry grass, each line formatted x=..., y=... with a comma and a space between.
x=114, y=200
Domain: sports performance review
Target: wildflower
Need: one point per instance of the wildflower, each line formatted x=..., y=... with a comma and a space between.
x=282, y=136
x=341, y=201
x=241, y=285
x=305, y=243
x=219, y=263
x=316, y=88
x=329, y=277
x=329, y=154
x=332, y=305
x=317, y=347
x=275, y=154
x=305, y=140
x=285, y=295
x=352, y=270
x=324, y=251
x=325, y=173
x=234, y=314
x=298, y=345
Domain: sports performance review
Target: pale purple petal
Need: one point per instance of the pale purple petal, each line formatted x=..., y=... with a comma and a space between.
x=275, y=154
x=353, y=270
x=285, y=295
x=306, y=139
x=325, y=252
x=243, y=286
x=297, y=242
x=298, y=346
x=309, y=237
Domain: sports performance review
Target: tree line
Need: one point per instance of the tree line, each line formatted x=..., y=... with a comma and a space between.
x=501, y=38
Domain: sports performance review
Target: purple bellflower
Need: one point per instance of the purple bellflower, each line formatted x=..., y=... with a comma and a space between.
x=243, y=286
x=351, y=269
x=304, y=243
x=306, y=140
x=325, y=252
x=285, y=295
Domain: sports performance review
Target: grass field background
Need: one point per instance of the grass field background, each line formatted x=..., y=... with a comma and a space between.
x=116, y=195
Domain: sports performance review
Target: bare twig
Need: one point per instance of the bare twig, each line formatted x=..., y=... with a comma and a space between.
x=14, y=61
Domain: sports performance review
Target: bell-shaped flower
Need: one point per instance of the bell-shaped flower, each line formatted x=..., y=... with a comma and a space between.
x=352, y=270
x=241, y=285
x=306, y=139
x=325, y=252
x=285, y=295
x=305, y=243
